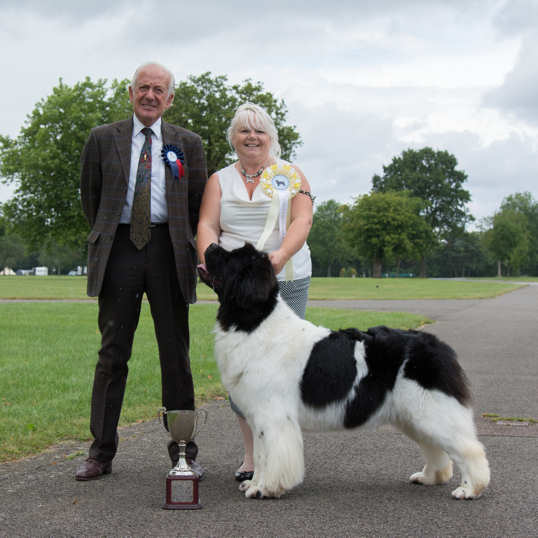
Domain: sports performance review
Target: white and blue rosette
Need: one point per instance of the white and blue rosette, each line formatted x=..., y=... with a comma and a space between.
x=281, y=183
x=173, y=158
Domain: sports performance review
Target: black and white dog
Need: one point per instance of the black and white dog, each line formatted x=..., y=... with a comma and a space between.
x=287, y=374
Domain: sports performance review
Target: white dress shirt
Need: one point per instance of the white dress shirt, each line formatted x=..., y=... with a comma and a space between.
x=159, y=211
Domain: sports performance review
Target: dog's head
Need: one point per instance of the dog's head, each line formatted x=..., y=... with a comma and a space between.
x=245, y=283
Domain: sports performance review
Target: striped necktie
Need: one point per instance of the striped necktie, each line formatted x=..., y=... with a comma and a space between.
x=141, y=210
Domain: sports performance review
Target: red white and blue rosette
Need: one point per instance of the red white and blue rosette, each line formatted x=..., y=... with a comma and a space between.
x=173, y=157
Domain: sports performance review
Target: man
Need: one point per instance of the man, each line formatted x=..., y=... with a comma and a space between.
x=142, y=212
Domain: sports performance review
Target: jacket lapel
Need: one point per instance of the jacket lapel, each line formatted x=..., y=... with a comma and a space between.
x=123, y=138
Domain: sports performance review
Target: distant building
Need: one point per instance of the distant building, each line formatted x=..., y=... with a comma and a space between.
x=7, y=271
x=40, y=271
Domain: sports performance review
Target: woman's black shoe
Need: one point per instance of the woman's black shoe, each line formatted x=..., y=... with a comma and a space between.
x=241, y=476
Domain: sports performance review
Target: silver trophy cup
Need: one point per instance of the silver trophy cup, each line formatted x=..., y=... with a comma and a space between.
x=182, y=490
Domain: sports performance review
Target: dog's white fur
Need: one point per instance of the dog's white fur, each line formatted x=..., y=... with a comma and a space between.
x=261, y=370
x=287, y=374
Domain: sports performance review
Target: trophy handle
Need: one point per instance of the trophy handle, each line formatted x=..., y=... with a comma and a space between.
x=160, y=414
x=197, y=414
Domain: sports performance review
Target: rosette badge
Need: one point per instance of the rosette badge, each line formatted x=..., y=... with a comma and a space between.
x=280, y=178
x=281, y=183
x=173, y=157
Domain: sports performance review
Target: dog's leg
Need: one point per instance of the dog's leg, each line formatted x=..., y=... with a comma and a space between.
x=470, y=456
x=455, y=433
x=450, y=430
x=438, y=468
x=278, y=458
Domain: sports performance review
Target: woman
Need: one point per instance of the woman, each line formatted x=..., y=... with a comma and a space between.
x=237, y=209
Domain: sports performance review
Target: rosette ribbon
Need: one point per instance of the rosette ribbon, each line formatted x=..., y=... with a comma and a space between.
x=280, y=183
x=173, y=157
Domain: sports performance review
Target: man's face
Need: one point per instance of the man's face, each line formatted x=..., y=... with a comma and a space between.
x=150, y=96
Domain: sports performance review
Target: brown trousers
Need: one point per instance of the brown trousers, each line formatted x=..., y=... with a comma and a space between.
x=130, y=273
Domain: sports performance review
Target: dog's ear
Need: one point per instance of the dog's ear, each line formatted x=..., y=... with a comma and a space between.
x=204, y=275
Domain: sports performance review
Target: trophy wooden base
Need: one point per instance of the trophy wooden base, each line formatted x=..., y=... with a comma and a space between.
x=182, y=493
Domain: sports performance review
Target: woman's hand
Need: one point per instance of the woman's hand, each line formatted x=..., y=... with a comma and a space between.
x=278, y=260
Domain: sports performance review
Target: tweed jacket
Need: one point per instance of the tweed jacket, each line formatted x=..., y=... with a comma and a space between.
x=104, y=178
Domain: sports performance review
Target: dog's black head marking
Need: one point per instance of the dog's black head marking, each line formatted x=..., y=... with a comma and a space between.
x=245, y=284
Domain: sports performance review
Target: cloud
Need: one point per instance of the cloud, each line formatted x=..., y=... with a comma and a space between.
x=516, y=95
x=495, y=170
x=63, y=9
x=362, y=80
x=341, y=150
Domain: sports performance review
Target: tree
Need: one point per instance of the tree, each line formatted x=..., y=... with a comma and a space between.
x=463, y=256
x=43, y=161
x=509, y=239
x=385, y=227
x=12, y=249
x=524, y=204
x=60, y=258
x=326, y=239
x=432, y=176
x=206, y=104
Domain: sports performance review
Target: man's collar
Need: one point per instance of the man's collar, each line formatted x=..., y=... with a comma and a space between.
x=138, y=126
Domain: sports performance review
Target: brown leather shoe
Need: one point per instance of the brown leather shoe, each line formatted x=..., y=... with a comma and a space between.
x=93, y=468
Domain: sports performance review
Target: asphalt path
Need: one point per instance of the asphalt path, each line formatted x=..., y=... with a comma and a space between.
x=355, y=483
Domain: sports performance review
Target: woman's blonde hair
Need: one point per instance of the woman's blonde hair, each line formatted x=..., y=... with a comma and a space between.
x=254, y=117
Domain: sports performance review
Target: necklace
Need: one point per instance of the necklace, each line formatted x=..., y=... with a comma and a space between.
x=251, y=177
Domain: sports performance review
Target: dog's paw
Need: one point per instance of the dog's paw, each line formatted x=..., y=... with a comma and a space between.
x=431, y=478
x=259, y=491
x=465, y=492
x=245, y=485
x=421, y=478
x=254, y=492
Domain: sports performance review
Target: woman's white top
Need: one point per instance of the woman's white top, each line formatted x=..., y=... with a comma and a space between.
x=243, y=220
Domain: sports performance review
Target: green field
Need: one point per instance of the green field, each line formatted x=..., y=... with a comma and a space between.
x=74, y=288
x=48, y=350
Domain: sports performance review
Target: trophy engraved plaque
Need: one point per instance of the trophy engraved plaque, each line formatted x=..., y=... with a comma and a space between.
x=182, y=483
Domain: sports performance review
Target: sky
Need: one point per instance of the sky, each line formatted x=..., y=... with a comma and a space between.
x=362, y=80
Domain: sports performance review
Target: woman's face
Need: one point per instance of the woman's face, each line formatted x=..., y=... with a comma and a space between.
x=251, y=143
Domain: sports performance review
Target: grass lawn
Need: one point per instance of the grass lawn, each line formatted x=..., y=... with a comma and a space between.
x=74, y=288
x=405, y=288
x=48, y=352
x=512, y=278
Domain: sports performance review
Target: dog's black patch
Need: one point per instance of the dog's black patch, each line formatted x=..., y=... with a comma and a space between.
x=384, y=353
x=429, y=362
x=245, y=283
x=330, y=370
x=433, y=365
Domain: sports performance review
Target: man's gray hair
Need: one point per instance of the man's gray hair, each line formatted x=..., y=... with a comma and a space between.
x=254, y=117
x=171, y=84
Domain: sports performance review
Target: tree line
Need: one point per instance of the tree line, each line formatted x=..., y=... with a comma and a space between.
x=385, y=234
x=413, y=221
